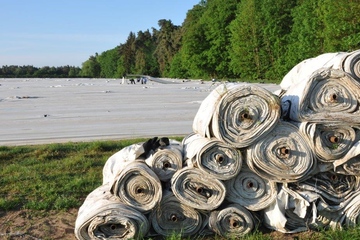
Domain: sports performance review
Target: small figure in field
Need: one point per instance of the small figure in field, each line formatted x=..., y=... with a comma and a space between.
x=143, y=80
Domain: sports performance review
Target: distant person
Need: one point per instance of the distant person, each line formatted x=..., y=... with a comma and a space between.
x=132, y=81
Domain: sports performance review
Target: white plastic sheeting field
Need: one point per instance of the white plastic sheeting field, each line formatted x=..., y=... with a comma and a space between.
x=37, y=110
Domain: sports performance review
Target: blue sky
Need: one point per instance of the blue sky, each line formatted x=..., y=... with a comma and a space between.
x=67, y=32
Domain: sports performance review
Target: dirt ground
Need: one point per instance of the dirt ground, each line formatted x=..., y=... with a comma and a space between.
x=26, y=225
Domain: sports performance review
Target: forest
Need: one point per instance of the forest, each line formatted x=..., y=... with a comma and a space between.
x=257, y=40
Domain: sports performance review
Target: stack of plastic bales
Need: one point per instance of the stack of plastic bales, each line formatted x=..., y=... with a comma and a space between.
x=288, y=161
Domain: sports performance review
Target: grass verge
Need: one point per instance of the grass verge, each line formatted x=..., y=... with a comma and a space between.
x=53, y=176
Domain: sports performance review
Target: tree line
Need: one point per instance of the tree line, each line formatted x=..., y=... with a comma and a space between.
x=14, y=71
x=234, y=39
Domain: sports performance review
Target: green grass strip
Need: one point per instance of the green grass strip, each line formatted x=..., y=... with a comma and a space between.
x=53, y=176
